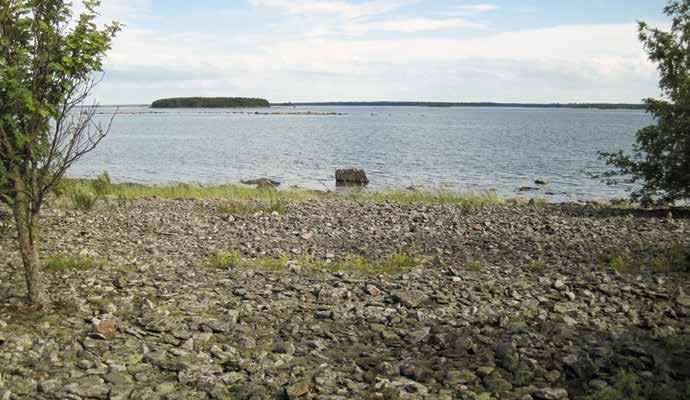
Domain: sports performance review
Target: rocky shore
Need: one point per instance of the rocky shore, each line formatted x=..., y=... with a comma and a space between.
x=506, y=302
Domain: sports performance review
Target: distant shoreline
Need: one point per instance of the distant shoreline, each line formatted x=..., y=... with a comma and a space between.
x=597, y=106
x=211, y=102
x=585, y=106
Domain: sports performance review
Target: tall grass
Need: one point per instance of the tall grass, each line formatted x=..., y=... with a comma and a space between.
x=101, y=187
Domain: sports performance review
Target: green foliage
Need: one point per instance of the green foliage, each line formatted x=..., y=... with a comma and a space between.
x=122, y=200
x=101, y=185
x=536, y=265
x=83, y=200
x=271, y=262
x=676, y=258
x=626, y=386
x=466, y=201
x=397, y=262
x=62, y=261
x=210, y=102
x=394, y=263
x=620, y=261
x=84, y=194
x=63, y=187
x=48, y=62
x=661, y=155
x=401, y=260
x=6, y=221
x=223, y=259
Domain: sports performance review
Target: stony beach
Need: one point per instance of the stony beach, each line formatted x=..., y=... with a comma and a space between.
x=503, y=302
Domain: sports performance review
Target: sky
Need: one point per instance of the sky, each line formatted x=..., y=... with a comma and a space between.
x=403, y=50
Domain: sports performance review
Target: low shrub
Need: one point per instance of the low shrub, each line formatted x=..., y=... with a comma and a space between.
x=82, y=200
x=102, y=185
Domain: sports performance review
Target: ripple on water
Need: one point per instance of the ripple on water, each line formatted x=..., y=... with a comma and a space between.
x=460, y=147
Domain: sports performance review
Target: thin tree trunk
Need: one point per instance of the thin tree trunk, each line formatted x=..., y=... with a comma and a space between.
x=28, y=234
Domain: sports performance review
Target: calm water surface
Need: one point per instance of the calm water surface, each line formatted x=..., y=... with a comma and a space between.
x=454, y=148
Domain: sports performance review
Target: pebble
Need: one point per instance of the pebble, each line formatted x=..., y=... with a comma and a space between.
x=432, y=331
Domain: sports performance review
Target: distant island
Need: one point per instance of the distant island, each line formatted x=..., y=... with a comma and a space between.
x=210, y=102
x=599, y=106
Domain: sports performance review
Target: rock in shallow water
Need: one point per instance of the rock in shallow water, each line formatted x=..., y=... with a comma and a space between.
x=351, y=176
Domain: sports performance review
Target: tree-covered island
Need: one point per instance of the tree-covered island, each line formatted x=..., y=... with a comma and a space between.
x=210, y=102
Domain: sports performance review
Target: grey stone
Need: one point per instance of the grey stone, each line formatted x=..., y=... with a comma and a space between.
x=551, y=394
x=90, y=387
x=351, y=176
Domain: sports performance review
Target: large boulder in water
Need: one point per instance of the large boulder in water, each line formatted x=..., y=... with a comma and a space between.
x=351, y=176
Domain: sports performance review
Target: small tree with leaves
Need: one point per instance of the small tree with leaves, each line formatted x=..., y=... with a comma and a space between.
x=661, y=155
x=48, y=62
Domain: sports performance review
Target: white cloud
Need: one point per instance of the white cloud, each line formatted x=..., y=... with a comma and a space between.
x=565, y=63
x=332, y=17
x=472, y=9
x=332, y=7
x=411, y=25
x=123, y=11
x=335, y=57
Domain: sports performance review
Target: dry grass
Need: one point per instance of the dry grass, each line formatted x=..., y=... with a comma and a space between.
x=101, y=188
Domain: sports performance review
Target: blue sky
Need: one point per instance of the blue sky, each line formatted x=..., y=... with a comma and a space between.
x=433, y=50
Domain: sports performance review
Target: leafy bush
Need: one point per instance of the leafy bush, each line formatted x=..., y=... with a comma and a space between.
x=661, y=155
x=82, y=200
x=64, y=187
x=101, y=185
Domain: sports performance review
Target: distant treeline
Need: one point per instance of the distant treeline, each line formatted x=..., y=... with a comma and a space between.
x=210, y=102
x=601, y=106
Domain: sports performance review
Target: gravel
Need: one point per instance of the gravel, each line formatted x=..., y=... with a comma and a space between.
x=155, y=324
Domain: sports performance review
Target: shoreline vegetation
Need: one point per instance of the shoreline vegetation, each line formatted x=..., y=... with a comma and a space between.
x=211, y=102
x=597, y=106
x=90, y=190
x=102, y=188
